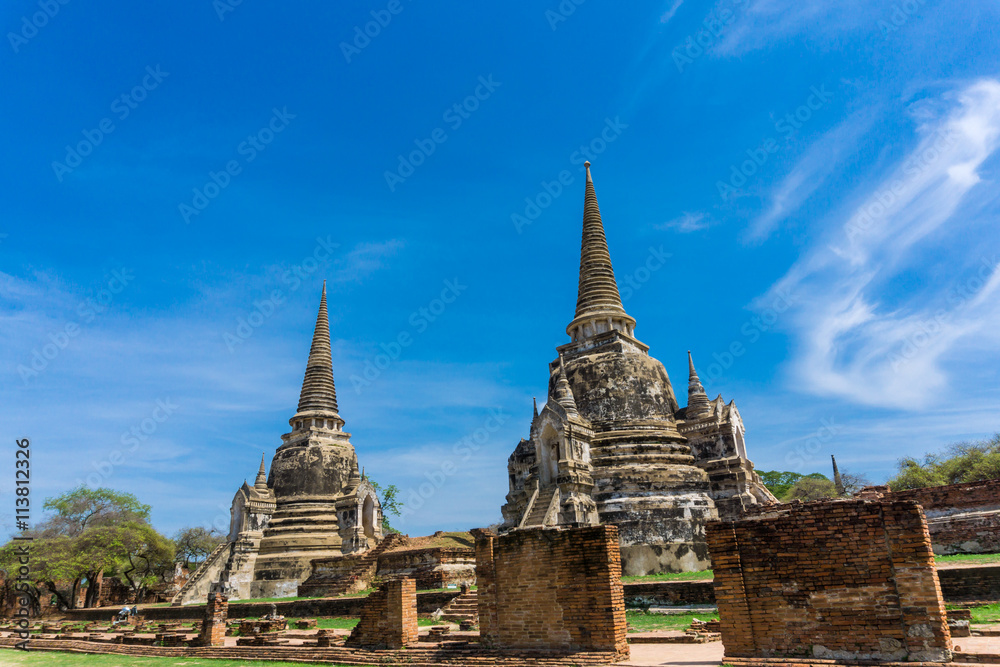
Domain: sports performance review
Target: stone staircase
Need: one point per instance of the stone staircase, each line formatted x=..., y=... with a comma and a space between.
x=200, y=573
x=540, y=508
x=357, y=578
x=463, y=608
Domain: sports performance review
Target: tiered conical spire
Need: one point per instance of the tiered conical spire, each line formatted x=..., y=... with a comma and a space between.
x=261, y=482
x=597, y=298
x=318, y=392
x=698, y=403
x=534, y=405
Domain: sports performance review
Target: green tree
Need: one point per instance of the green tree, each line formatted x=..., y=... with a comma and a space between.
x=811, y=487
x=960, y=462
x=143, y=557
x=853, y=482
x=391, y=504
x=83, y=507
x=92, y=531
x=194, y=544
x=779, y=482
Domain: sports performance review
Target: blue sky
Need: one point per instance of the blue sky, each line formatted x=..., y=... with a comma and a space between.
x=814, y=185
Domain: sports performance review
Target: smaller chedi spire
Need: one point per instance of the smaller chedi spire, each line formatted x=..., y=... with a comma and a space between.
x=564, y=394
x=598, y=303
x=261, y=482
x=534, y=404
x=355, y=479
x=838, y=483
x=698, y=403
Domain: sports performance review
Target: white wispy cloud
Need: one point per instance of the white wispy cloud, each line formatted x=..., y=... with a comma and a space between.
x=820, y=160
x=669, y=14
x=881, y=301
x=763, y=22
x=687, y=222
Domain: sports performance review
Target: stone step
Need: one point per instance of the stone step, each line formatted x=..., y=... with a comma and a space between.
x=541, y=507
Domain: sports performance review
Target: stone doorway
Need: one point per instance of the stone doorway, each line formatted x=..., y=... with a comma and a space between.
x=549, y=457
x=368, y=517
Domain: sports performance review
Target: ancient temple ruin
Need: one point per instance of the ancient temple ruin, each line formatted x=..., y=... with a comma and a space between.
x=313, y=504
x=612, y=445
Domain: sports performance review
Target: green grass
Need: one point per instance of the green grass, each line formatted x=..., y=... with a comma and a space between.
x=986, y=614
x=348, y=623
x=640, y=621
x=702, y=575
x=968, y=558
x=335, y=623
x=271, y=600
x=13, y=658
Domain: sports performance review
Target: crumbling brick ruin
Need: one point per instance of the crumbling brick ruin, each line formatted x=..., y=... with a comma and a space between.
x=612, y=445
x=552, y=589
x=850, y=580
x=394, y=558
x=389, y=618
x=213, y=627
x=962, y=518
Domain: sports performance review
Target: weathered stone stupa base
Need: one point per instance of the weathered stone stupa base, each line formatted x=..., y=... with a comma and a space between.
x=612, y=445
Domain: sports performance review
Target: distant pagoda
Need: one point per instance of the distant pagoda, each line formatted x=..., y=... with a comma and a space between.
x=313, y=504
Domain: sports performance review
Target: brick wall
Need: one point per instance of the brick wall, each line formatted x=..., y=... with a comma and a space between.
x=962, y=518
x=948, y=498
x=967, y=584
x=389, y=619
x=844, y=579
x=669, y=593
x=969, y=533
x=213, y=627
x=552, y=589
x=433, y=567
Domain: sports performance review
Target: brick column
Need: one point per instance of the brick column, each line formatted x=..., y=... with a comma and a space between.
x=730, y=594
x=389, y=618
x=401, y=598
x=920, y=599
x=486, y=586
x=213, y=627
